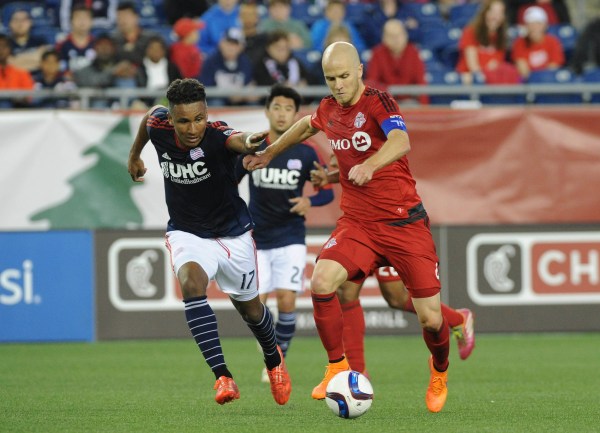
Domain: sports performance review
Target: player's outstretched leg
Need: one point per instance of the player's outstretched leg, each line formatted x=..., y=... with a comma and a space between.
x=264, y=331
x=465, y=333
x=203, y=325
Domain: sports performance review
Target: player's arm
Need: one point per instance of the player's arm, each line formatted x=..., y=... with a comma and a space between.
x=298, y=132
x=396, y=146
x=321, y=176
x=301, y=205
x=135, y=164
x=246, y=142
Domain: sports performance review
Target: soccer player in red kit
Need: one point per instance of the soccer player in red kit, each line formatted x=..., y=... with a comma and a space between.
x=384, y=222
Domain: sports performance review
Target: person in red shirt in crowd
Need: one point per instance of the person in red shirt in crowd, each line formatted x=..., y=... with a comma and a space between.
x=537, y=50
x=395, y=61
x=384, y=221
x=483, y=45
x=556, y=11
x=11, y=77
x=185, y=52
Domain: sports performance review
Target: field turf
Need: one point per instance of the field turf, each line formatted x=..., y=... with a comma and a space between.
x=512, y=383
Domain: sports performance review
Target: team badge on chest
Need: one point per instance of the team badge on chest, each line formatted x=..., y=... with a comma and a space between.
x=359, y=120
x=196, y=153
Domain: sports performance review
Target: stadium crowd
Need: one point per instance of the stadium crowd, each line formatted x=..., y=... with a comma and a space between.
x=67, y=44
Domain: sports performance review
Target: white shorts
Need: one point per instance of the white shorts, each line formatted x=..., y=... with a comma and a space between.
x=230, y=261
x=282, y=268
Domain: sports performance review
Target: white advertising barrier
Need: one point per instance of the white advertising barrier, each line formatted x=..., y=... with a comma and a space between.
x=66, y=170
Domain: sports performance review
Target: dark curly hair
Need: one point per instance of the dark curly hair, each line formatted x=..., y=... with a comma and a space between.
x=185, y=91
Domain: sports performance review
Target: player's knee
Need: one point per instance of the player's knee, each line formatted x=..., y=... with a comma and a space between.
x=431, y=322
x=192, y=287
x=321, y=284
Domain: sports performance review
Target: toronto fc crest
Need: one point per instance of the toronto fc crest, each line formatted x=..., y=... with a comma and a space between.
x=359, y=120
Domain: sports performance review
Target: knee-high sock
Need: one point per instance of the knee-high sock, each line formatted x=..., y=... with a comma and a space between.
x=354, y=335
x=203, y=326
x=453, y=317
x=327, y=312
x=265, y=335
x=438, y=344
x=285, y=329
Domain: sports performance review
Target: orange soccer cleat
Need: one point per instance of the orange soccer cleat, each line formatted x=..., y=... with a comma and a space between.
x=437, y=391
x=281, y=385
x=320, y=390
x=227, y=390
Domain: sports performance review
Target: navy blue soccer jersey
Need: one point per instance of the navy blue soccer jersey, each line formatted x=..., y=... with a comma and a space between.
x=270, y=191
x=201, y=189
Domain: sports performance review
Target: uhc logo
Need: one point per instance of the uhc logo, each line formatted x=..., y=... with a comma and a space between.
x=534, y=268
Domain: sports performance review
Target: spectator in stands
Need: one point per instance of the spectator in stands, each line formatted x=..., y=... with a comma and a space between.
x=103, y=13
x=185, y=52
x=156, y=71
x=51, y=77
x=12, y=77
x=372, y=28
x=249, y=17
x=105, y=71
x=218, y=18
x=279, y=18
x=27, y=49
x=176, y=9
x=77, y=50
x=587, y=49
x=279, y=65
x=556, y=10
x=483, y=45
x=335, y=14
x=229, y=68
x=536, y=50
x=396, y=62
x=337, y=33
x=130, y=38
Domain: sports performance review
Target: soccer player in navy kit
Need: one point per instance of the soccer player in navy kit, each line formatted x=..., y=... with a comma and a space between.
x=278, y=208
x=209, y=229
x=384, y=221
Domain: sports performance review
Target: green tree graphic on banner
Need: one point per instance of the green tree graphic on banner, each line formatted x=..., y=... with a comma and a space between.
x=101, y=195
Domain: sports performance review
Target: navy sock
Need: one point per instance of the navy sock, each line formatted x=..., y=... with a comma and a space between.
x=284, y=330
x=265, y=335
x=203, y=325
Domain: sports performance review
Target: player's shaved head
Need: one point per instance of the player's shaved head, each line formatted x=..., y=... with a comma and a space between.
x=341, y=52
x=343, y=72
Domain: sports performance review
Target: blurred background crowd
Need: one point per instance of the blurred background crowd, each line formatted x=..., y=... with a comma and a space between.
x=230, y=44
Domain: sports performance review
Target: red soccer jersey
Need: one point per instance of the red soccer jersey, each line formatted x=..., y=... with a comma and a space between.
x=354, y=134
x=539, y=55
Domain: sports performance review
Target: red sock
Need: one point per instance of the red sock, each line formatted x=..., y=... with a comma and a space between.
x=354, y=335
x=327, y=312
x=438, y=344
x=453, y=317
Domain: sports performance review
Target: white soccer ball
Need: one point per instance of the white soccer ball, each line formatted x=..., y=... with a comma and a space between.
x=349, y=394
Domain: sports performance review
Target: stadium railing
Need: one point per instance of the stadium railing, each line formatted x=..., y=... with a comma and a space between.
x=123, y=97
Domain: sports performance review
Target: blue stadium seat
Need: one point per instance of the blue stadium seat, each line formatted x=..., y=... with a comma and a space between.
x=424, y=13
x=53, y=35
x=306, y=12
x=567, y=35
x=41, y=15
x=461, y=15
x=592, y=76
x=357, y=12
x=444, y=78
x=442, y=41
x=166, y=32
x=558, y=77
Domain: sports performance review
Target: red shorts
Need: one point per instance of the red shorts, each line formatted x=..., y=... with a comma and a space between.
x=361, y=247
x=387, y=274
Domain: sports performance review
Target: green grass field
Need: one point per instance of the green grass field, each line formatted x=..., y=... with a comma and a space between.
x=512, y=383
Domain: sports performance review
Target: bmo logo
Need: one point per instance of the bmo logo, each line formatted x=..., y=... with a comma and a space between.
x=534, y=268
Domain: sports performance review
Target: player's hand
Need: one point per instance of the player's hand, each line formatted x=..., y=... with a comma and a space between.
x=301, y=205
x=258, y=160
x=318, y=176
x=361, y=174
x=255, y=139
x=136, y=169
